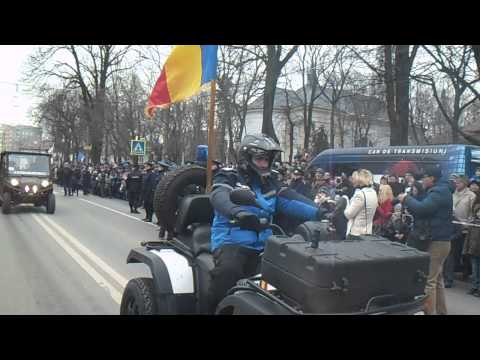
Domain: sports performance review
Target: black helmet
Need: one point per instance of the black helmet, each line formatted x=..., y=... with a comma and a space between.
x=255, y=145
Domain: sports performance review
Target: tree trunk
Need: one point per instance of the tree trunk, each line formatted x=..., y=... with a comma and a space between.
x=341, y=128
x=96, y=138
x=414, y=131
x=223, y=130
x=390, y=96
x=290, y=138
x=456, y=117
x=273, y=68
x=308, y=127
x=272, y=73
x=402, y=83
x=476, y=53
x=332, y=126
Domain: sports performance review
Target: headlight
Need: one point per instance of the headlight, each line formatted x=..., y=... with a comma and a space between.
x=35, y=189
x=45, y=183
x=14, y=182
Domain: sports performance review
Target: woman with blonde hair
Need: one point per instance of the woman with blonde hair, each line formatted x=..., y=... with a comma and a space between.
x=384, y=209
x=362, y=207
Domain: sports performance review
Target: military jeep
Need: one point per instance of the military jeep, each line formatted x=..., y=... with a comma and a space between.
x=26, y=178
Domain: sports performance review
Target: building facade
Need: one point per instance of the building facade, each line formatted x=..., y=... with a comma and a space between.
x=359, y=120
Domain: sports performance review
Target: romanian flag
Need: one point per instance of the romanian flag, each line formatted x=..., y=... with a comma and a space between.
x=186, y=71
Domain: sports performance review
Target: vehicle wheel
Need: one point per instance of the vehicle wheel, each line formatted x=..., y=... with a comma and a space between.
x=6, y=205
x=138, y=298
x=51, y=203
x=172, y=188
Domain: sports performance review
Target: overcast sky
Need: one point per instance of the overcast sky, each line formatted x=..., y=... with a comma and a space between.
x=14, y=105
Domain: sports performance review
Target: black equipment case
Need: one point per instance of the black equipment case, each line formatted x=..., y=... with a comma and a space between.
x=343, y=276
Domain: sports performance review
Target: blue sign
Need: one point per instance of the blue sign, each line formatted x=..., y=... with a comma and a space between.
x=137, y=147
x=202, y=153
x=80, y=156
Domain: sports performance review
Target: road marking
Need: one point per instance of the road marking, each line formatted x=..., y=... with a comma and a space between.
x=89, y=254
x=99, y=279
x=117, y=212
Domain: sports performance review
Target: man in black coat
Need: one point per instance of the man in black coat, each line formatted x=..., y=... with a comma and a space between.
x=397, y=188
x=148, y=188
x=76, y=177
x=134, y=187
x=298, y=184
x=86, y=181
x=67, y=179
x=60, y=176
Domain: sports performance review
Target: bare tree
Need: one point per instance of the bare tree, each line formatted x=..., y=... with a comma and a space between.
x=313, y=62
x=274, y=64
x=288, y=112
x=88, y=68
x=335, y=83
x=421, y=113
x=394, y=68
x=240, y=79
x=354, y=105
x=60, y=114
x=365, y=111
x=453, y=62
x=126, y=100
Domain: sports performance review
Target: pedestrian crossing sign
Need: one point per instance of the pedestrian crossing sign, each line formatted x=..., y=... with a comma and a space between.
x=137, y=147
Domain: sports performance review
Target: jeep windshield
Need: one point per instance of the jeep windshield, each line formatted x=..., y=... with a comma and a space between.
x=28, y=165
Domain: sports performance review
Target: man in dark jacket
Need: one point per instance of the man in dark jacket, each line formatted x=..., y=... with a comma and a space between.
x=148, y=187
x=86, y=181
x=339, y=220
x=134, y=186
x=60, y=176
x=435, y=212
x=67, y=179
x=318, y=181
x=397, y=188
x=298, y=184
x=76, y=177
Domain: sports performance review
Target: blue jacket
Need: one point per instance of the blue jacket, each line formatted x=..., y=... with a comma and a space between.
x=287, y=202
x=437, y=208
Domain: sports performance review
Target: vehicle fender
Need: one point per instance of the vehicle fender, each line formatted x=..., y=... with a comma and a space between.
x=249, y=303
x=172, y=275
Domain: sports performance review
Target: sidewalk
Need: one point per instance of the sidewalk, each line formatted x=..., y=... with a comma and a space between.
x=459, y=302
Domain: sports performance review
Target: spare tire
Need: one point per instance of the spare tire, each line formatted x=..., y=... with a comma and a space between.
x=172, y=188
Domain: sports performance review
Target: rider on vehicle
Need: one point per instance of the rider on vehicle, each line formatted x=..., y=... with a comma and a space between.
x=238, y=237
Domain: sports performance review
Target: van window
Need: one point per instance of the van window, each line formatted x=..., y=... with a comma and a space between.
x=475, y=159
x=399, y=168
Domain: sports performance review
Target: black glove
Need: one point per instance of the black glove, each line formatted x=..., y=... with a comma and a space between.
x=321, y=213
x=247, y=220
x=328, y=216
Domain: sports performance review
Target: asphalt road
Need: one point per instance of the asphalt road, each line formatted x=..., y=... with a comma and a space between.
x=73, y=262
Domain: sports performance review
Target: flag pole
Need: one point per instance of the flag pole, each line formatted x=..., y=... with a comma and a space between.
x=211, y=135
